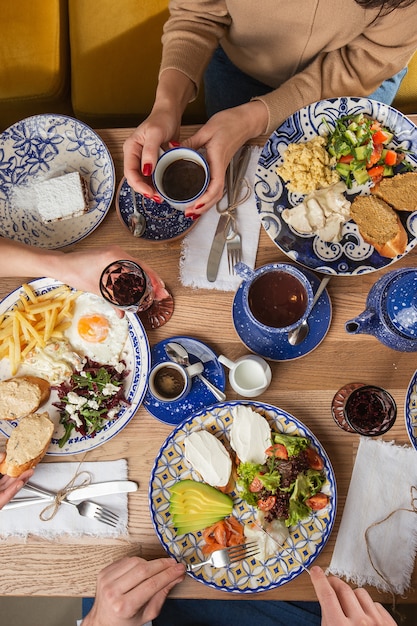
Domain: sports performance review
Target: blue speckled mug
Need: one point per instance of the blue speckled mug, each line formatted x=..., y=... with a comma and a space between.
x=391, y=311
x=276, y=298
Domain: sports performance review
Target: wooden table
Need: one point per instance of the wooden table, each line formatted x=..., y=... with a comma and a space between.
x=303, y=387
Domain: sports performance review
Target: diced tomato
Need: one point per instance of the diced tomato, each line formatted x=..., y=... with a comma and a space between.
x=376, y=173
x=256, y=485
x=380, y=136
x=375, y=155
x=346, y=158
x=390, y=157
x=278, y=450
x=318, y=501
x=314, y=459
x=375, y=125
x=266, y=504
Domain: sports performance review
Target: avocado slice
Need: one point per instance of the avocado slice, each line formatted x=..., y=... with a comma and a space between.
x=194, y=505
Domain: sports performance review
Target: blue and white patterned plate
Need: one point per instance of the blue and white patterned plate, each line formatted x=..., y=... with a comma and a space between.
x=276, y=349
x=136, y=354
x=163, y=222
x=249, y=575
x=42, y=147
x=410, y=410
x=352, y=255
x=199, y=396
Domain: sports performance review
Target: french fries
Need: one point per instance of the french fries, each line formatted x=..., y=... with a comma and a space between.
x=33, y=321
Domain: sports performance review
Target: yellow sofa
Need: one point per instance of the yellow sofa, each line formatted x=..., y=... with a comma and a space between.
x=95, y=59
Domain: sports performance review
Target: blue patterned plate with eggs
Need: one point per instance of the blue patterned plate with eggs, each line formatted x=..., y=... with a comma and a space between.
x=352, y=255
x=42, y=147
x=307, y=538
x=135, y=353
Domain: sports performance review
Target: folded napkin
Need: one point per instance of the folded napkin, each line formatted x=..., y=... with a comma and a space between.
x=67, y=521
x=381, y=490
x=196, y=245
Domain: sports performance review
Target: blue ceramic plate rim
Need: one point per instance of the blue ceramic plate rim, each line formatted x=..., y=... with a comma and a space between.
x=408, y=405
x=199, y=396
x=137, y=361
x=277, y=570
x=177, y=224
x=319, y=327
x=43, y=146
x=352, y=256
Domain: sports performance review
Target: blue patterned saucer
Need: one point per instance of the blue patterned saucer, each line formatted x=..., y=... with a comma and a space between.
x=280, y=349
x=199, y=396
x=163, y=222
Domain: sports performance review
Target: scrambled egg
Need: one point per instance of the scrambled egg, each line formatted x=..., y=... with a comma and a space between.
x=308, y=166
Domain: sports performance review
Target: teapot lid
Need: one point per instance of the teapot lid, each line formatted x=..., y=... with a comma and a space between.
x=401, y=303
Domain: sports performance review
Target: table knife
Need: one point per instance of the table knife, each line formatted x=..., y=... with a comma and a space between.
x=90, y=491
x=217, y=247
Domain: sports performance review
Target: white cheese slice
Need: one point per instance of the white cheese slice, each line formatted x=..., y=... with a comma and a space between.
x=250, y=435
x=208, y=456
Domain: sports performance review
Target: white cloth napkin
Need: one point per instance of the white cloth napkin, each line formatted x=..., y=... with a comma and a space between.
x=67, y=521
x=196, y=245
x=381, y=482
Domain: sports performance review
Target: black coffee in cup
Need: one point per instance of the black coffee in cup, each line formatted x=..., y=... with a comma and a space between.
x=277, y=299
x=183, y=179
x=169, y=382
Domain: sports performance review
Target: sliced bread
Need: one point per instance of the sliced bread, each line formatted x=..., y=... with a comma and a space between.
x=27, y=444
x=22, y=395
x=400, y=191
x=379, y=225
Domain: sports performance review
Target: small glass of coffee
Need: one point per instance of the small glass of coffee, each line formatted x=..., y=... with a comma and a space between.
x=181, y=176
x=125, y=285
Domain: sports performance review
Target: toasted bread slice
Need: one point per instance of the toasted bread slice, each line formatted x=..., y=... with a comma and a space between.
x=27, y=444
x=22, y=395
x=379, y=225
x=400, y=191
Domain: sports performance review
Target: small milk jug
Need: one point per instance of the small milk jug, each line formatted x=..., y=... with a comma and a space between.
x=391, y=311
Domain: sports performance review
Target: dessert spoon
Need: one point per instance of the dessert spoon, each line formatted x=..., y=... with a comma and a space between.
x=298, y=335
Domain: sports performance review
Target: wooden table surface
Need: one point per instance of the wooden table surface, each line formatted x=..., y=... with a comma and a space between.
x=303, y=387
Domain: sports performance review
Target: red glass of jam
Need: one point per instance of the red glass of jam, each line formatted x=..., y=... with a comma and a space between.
x=126, y=285
x=370, y=410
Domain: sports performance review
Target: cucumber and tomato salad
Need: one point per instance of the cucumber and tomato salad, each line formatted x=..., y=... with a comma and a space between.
x=360, y=146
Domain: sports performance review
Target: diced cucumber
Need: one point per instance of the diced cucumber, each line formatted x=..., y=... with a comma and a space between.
x=361, y=153
x=343, y=169
x=361, y=176
x=388, y=170
x=351, y=137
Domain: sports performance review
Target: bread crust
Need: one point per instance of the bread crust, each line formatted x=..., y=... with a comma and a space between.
x=399, y=191
x=39, y=448
x=22, y=395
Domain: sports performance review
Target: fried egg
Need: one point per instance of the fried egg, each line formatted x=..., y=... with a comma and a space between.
x=96, y=331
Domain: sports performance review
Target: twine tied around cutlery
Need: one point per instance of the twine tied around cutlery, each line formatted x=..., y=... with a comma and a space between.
x=62, y=494
x=230, y=210
x=412, y=509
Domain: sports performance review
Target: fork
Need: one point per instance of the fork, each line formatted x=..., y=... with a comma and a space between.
x=234, y=250
x=234, y=187
x=85, y=508
x=227, y=556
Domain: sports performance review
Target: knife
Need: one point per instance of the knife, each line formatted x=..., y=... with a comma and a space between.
x=93, y=490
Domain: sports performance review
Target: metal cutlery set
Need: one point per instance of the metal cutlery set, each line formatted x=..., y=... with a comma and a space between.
x=226, y=232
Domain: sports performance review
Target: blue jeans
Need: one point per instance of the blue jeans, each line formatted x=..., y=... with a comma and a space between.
x=230, y=612
x=227, y=86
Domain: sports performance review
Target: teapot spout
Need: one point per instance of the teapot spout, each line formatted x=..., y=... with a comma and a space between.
x=362, y=324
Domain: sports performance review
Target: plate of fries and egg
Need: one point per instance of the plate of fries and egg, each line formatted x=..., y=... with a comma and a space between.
x=54, y=332
x=296, y=171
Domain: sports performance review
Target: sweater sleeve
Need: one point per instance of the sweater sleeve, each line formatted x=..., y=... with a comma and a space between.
x=357, y=69
x=191, y=35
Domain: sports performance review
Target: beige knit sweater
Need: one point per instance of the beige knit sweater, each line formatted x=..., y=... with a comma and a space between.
x=307, y=50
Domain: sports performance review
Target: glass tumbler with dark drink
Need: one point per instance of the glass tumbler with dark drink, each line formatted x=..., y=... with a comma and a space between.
x=126, y=285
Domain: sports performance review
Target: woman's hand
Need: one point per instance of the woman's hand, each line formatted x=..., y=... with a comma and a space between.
x=344, y=606
x=131, y=592
x=10, y=486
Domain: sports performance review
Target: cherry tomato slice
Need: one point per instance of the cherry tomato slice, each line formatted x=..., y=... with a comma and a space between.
x=314, y=459
x=266, y=504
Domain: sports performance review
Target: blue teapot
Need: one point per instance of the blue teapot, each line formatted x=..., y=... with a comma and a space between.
x=391, y=311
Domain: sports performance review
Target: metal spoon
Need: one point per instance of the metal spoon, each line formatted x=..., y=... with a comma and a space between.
x=298, y=335
x=179, y=354
x=137, y=221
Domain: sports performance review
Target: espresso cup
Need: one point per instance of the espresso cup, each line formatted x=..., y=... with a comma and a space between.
x=276, y=298
x=249, y=376
x=170, y=382
x=180, y=177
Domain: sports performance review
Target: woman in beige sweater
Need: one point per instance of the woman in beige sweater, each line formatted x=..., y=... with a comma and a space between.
x=265, y=61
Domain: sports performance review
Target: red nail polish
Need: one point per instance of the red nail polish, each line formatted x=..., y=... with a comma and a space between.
x=147, y=169
x=175, y=144
x=199, y=206
x=157, y=199
x=193, y=216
